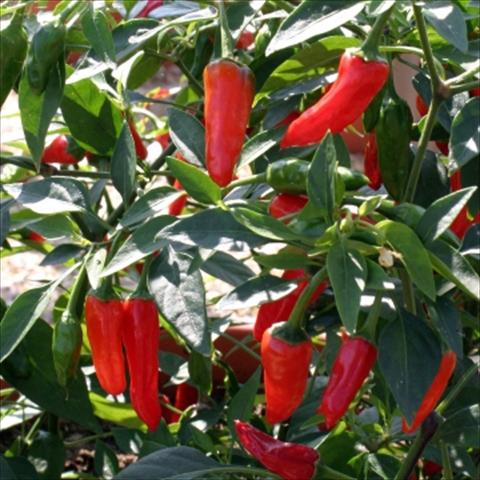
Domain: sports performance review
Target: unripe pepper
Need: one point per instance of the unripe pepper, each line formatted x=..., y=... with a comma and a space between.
x=292, y=461
x=435, y=391
x=371, y=164
x=104, y=317
x=286, y=354
x=14, y=43
x=229, y=91
x=351, y=367
x=46, y=49
x=358, y=82
x=286, y=204
x=60, y=151
x=140, y=148
x=141, y=338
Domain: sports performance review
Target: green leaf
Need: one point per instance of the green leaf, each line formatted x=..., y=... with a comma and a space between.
x=225, y=267
x=409, y=358
x=311, y=19
x=180, y=463
x=414, y=256
x=200, y=371
x=51, y=195
x=94, y=121
x=62, y=253
x=241, y=406
x=47, y=454
x=180, y=297
x=196, y=183
x=4, y=219
x=464, y=144
x=37, y=111
x=449, y=22
x=441, y=213
x=453, y=266
x=105, y=461
x=149, y=205
x=17, y=468
x=254, y=292
x=321, y=178
x=461, y=428
x=96, y=29
x=188, y=135
x=30, y=370
x=256, y=146
x=347, y=271
x=123, y=164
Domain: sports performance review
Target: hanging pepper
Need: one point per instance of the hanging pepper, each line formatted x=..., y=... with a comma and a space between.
x=245, y=40
x=67, y=332
x=286, y=354
x=185, y=396
x=351, y=367
x=435, y=391
x=141, y=338
x=104, y=318
x=176, y=207
x=371, y=164
x=357, y=84
x=62, y=150
x=279, y=310
x=229, y=91
x=462, y=223
x=422, y=107
x=45, y=51
x=14, y=43
x=292, y=461
x=140, y=148
x=285, y=204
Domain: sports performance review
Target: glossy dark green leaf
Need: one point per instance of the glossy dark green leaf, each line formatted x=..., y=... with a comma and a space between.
x=47, y=455
x=256, y=146
x=17, y=468
x=188, y=135
x=225, y=267
x=409, y=357
x=4, y=219
x=414, y=256
x=96, y=29
x=258, y=290
x=196, y=182
x=180, y=297
x=123, y=164
x=311, y=19
x=240, y=14
x=115, y=412
x=62, y=253
x=200, y=371
x=105, y=461
x=462, y=428
x=464, y=142
x=30, y=370
x=321, y=178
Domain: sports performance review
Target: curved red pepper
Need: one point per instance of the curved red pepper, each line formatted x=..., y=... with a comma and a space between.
x=141, y=338
x=371, y=164
x=286, y=204
x=35, y=237
x=358, y=82
x=151, y=5
x=279, y=310
x=140, y=148
x=57, y=152
x=104, y=320
x=463, y=222
x=435, y=391
x=351, y=367
x=229, y=91
x=422, y=107
x=285, y=364
x=291, y=461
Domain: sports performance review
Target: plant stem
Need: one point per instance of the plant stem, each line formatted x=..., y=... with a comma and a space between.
x=241, y=345
x=250, y=180
x=413, y=50
x=225, y=35
x=194, y=83
x=370, y=45
x=463, y=87
x=296, y=317
x=459, y=386
x=83, y=440
x=82, y=173
x=322, y=471
x=428, y=430
x=447, y=466
x=463, y=76
x=408, y=293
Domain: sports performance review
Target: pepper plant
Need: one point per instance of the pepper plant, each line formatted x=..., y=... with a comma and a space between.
x=167, y=212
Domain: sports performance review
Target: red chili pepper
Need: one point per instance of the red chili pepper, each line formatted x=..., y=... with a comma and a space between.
x=371, y=164
x=351, y=367
x=475, y=92
x=422, y=107
x=185, y=395
x=35, y=237
x=151, y=5
x=141, y=338
x=280, y=310
x=358, y=82
x=245, y=40
x=57, y=152
x=104, y=318
x=286, y=355
x=140, y=148
x=291, y=461
x=463, y=222
x=176, y=207
x=286, y=204
x=430, y=468
x=229, y=91
x=435, y=391
x=443, y=147
x=163, y=139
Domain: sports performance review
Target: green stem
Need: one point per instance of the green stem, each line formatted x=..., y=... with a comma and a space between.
x=81, y=173
x=296, y=317
x=370, y=326
x=463, y=76
x=459, y=386
x=447, y=466
x=371, y=43
x=225, y=35
x=322, y=471
x=84, y=440
x=142, y=291
x=463, y=87
x=75, y=302
x=194, y=83
x=427, y=431
x=250, y=180
x=241, y=345
x=414, y=51
x=408, y=293
x=68, y=11
x=161, y=159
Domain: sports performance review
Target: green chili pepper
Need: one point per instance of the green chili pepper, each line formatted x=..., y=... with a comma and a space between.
x=290, y=176
x=14, y=49
x=45, y=50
